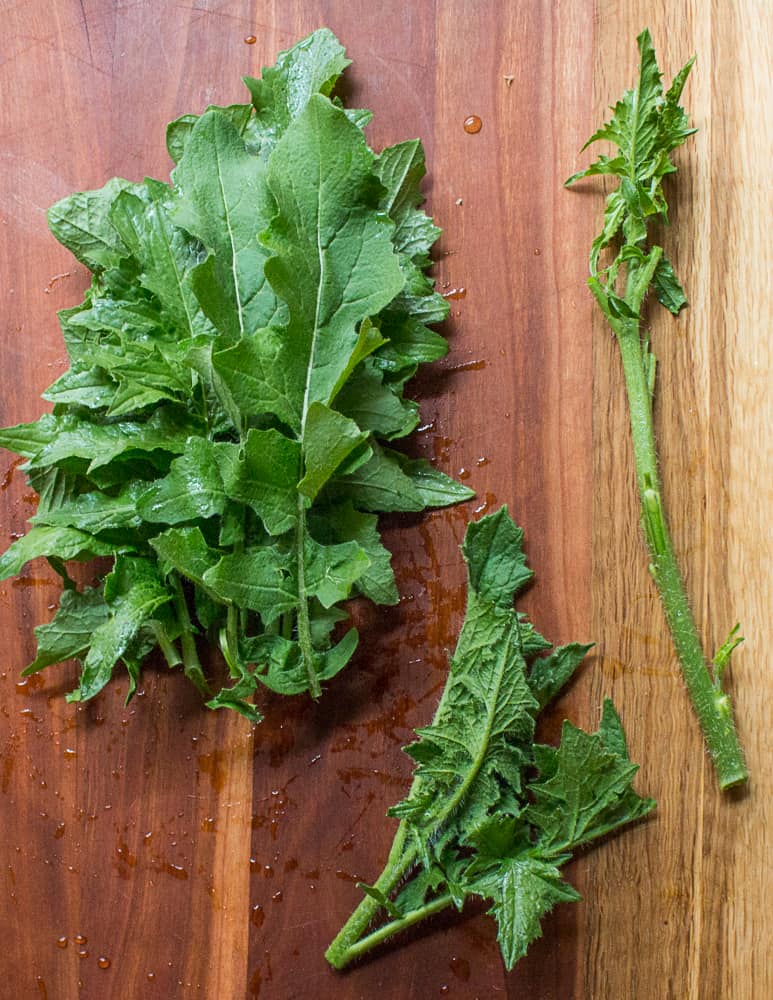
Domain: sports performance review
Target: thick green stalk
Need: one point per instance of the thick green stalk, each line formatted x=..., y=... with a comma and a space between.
x=340, y=958
x=712, y=705
x=349, y=943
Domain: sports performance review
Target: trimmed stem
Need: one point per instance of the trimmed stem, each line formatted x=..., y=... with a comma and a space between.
x=349, y=943
x=340, y=958
x=167, y=647
x=711, y=704
x=304, y=623
x=191, y=663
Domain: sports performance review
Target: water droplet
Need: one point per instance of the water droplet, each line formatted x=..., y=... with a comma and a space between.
x=460, y=968
x=472, y=124
x=250, y=40
x=277, y=897
x=82, y=953
x=80, y=939
x=150, y=976
x=61, y=942
x=103, y=963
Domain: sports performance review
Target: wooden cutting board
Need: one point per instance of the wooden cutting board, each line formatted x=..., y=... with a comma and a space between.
x=163, y=851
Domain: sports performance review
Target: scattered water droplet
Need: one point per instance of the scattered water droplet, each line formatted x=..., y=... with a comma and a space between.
x=250, y=40
x=61, y=942
x=460, y=968
x=472, y=124
x=103, y=963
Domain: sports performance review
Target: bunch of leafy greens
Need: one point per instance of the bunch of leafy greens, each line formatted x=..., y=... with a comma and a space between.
x=647, y=126
x=237, y=374
x=490, y=812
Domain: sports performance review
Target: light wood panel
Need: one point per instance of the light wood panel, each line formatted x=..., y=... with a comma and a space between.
x=256, y=838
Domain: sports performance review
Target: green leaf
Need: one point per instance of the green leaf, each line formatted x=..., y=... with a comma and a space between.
x=487, y=709
x=82, y=223
x=259, y=579
x=59, y=543
x=95, y=512
x=376, y=407
x=311, y=67
x=549, y=674
x=101, y=444
x=380, y=485
x=611, y=731
x=93, y=388
x=166, y=255
x=400, y=169
x=179, y=131
x=333, y=262
x=222, y=199
x=328, y=439
x=193, y=488
x=133, y=592
x=258, y=379
x=434, y=487
x=667, y=288
x=69, y=634
x=28, y=439
x=265, y=478
x=185, y=551
x=589, y=794
x=280, y=667
x=523, y=892
x=332, y=570
x=345, y=524
x=496, y=562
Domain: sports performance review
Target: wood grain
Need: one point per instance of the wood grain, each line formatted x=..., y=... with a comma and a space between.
x=204, y=859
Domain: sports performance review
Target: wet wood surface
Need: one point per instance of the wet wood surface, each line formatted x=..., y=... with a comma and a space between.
x=162, y=851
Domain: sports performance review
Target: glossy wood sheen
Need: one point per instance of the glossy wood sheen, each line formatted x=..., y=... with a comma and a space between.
x=200, y=858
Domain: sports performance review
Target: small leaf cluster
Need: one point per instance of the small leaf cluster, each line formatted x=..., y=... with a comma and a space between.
x=237, y=372
x=491, y=812
x=647, y=126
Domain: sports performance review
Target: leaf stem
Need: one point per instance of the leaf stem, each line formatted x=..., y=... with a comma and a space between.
x=349, y=943
x=167, y=647
x=304, y=623
x=711, y=704
x=191, y=663
x=339, y=957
